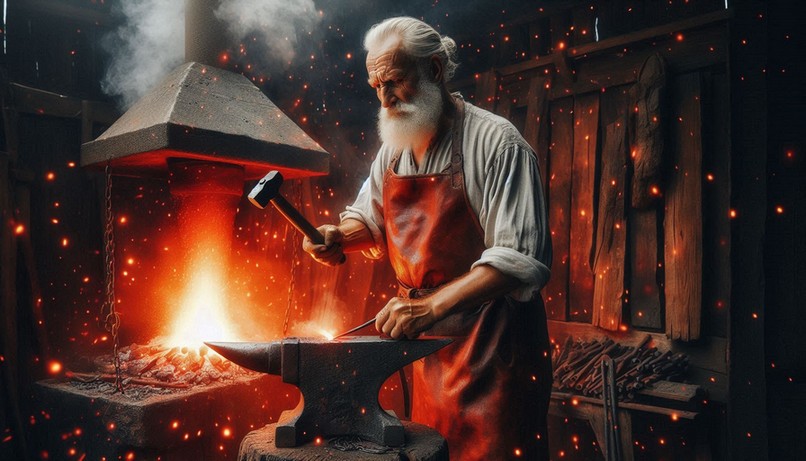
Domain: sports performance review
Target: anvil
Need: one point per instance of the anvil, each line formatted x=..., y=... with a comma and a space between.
x=339, y=381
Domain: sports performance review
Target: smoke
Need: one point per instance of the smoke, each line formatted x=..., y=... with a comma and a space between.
x=149, y=43
x=273, y=23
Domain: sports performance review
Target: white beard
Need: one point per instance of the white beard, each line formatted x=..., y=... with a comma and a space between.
x=406, y=124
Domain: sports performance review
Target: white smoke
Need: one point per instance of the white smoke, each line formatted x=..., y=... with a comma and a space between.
x=149, y=44
x=275, y=23
x=151, y=40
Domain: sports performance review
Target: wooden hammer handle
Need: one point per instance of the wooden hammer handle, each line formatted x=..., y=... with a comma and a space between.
x=297, y=220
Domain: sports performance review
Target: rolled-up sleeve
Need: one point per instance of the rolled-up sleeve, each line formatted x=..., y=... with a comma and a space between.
x=368, y=208
x=513, y=217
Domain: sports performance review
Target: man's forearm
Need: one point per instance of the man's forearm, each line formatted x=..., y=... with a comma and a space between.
x=481, y=284
x=356, y=236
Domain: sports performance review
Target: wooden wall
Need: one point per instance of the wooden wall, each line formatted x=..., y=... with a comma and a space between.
x=636, y=174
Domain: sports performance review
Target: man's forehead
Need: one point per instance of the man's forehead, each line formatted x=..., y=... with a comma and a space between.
x=388, y=57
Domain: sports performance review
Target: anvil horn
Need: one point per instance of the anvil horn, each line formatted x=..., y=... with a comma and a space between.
x=340, y=380
x=262, y=357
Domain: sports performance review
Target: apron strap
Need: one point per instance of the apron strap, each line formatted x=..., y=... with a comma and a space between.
x=457, y=158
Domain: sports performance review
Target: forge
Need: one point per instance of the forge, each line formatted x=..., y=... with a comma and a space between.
x=205, y=132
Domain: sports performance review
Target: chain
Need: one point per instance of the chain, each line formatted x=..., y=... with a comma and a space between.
x=297, y=193
x=112, y=318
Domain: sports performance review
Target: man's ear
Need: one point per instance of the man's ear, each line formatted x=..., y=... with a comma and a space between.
x=436, y=69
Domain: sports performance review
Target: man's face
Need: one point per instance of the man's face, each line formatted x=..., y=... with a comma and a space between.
x=394, y=75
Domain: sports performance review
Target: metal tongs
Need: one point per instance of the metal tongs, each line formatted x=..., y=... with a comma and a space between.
x=359, y=327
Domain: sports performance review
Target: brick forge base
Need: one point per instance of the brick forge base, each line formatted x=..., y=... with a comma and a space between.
x=204, y=422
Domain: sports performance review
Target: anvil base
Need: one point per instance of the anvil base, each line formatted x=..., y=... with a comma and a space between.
x=422, y=443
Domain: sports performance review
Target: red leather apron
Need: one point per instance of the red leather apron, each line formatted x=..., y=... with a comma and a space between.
x=488, y=392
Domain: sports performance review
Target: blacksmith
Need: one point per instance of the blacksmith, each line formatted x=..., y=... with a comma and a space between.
x=454, y=200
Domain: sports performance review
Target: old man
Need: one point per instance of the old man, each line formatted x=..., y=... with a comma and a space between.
x=454, y=200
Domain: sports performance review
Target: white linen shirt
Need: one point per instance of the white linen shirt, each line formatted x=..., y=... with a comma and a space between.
x=502, y=183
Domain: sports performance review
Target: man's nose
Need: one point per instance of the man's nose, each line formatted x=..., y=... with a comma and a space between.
x=387, y=97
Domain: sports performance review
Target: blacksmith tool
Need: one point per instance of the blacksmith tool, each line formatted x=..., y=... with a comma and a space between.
x=610, y=404
x=339, y=382
x=354, y=329
x=268, y=190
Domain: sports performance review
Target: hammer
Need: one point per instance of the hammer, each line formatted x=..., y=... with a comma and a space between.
x=268, y=190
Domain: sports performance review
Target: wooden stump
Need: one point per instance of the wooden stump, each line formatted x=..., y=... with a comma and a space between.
x=422, y=444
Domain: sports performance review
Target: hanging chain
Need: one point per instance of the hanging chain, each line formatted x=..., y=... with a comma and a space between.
x=112, y=318
x=297, y=193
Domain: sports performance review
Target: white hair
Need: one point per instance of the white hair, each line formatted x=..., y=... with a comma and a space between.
x=418, y=40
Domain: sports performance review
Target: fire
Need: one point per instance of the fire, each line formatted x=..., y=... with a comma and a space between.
x=329, y=335
x=202, y=311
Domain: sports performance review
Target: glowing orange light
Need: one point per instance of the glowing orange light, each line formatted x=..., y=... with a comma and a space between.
x=675, y=417
x=732, y=213
x=71, y=164
x=779, y=209
x=318, y=441
x=123, y=220
x=518, y=452
x=50, y=176
x=327, y=334
x=755, y=316
x=662, y=441
x=574, y=402
x=130, y=455
x=561, y=45
x=654, y=190
x=111, y=426
x=679, y=37
x=65, y=242
x=226, y=432
x=349, y=55
x=175, y=425
x=130, y=261
x=54, y=367
x=622, y=327
x=19, y=229
x=709, y=177
x=71, y=451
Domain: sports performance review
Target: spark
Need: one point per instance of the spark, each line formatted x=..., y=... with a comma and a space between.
x=54, y=367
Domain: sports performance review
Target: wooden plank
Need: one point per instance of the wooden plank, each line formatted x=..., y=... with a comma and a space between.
x=486, y=90
x=683, y=221
x=536, y=130
x=583, y=176
x=647, y=150
x=555, y=292
x=644, y=289
x=611, y=228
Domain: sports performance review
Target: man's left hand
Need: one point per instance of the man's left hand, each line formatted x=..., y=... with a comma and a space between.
x=406, y=318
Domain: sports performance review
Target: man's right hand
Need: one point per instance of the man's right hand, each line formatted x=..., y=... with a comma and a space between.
x=331, y=253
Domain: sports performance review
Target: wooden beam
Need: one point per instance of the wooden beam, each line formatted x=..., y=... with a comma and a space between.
x=682, y=225
x=611, y=229
x=561, y=151
x=583, y=183
x=536, y=130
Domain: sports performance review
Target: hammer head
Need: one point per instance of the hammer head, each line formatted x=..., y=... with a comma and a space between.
x=266, y=189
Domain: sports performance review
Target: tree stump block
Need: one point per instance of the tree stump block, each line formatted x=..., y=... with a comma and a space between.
x=422, y=444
